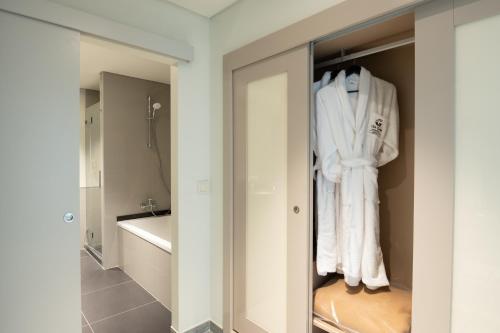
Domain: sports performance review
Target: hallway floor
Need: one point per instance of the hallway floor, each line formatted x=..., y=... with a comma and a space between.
x=113, y=303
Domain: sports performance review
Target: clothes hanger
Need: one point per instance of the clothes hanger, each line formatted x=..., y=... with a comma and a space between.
x=353, y=69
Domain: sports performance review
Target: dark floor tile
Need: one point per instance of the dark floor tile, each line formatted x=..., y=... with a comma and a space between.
x=113, y=300
x=86, y=329
x=89, y=266
x=151, y=318
x=95, y=278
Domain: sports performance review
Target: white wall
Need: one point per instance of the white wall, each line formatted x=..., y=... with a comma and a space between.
x=477, y=212
x=244, y=22
x=194, y=139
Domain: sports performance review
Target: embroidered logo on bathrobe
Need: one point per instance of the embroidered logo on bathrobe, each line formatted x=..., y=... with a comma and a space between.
x=377, y=127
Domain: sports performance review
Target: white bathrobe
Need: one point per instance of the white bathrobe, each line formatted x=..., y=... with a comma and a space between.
x=326, y=254
x=352, y=143
x=325, y=79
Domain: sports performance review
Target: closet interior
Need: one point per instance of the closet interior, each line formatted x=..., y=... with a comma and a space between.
x=386, y=50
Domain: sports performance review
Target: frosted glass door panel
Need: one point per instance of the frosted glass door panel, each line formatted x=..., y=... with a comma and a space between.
x=477, y=200
x=271, y=177
x=267, y=203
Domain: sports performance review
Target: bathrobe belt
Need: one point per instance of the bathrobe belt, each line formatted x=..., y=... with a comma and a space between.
x=355, y=163
x=355, y=169
x=355, y=172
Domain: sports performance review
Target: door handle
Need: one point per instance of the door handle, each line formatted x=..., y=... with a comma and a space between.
x=296, y=209
x=69, y=218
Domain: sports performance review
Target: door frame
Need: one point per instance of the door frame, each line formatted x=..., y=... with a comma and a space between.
x=432, y=248
x=467, y=11
x=94, y=25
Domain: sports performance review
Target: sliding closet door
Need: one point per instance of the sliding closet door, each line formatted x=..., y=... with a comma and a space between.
x=271, y=195
x=476, y=263
x=39, y=144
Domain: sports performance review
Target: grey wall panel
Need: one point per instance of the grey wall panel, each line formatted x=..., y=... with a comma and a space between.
x=130, y=169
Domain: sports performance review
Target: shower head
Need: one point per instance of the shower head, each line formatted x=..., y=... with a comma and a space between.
x=156, y=107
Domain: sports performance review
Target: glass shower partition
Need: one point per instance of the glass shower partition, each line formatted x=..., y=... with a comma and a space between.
x=93, y=190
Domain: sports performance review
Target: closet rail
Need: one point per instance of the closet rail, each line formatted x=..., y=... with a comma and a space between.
x=365, y=53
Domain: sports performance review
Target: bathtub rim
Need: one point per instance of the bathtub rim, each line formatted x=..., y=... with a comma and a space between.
x=157, y=241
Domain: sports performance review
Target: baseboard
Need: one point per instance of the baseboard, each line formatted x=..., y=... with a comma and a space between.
x=206, y=327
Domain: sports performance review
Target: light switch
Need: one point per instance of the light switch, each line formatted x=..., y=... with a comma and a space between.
x=203, y=186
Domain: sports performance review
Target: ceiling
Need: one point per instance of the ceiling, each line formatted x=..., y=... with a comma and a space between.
x=206, y=8
x=98, y=56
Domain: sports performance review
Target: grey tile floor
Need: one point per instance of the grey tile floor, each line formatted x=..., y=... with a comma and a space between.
x=113, y=303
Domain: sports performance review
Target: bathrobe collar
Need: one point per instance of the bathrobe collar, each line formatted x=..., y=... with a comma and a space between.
x=357, y=121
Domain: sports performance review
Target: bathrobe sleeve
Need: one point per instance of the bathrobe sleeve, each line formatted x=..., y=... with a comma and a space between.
x=316, y=87
x=328, y=157
x=390, y=145
x=314, y=139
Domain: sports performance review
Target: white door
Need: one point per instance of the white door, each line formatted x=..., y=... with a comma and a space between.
x=39, y=145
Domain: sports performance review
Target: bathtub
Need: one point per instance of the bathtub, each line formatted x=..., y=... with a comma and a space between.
x=145, y=254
